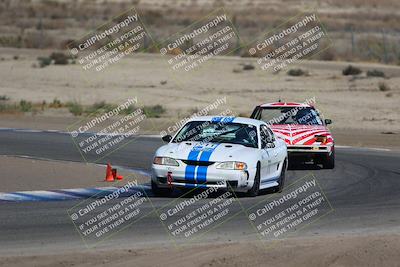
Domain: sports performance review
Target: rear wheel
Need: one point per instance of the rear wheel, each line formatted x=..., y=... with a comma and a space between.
x=163, y=192
x=253, y=192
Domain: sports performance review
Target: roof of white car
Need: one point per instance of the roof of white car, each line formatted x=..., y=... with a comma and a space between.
x=285, y=104
x=227, y=119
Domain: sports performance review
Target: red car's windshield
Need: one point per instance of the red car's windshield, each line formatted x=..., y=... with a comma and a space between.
x=290, y=115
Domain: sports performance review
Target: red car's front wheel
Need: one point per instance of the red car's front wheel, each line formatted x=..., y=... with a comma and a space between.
x=329, y=161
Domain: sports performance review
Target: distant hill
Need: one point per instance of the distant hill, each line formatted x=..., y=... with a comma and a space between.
x=361, y=29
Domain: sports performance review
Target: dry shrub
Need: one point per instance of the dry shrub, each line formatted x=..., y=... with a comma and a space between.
x=383, y=87
x=350, y=70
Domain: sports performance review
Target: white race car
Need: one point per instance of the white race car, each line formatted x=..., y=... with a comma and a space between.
x=234, y=153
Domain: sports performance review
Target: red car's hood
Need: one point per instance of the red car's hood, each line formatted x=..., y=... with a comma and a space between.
x=295, y=134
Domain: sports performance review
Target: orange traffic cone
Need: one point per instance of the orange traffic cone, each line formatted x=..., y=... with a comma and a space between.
x=116, y=176
x=109, y=175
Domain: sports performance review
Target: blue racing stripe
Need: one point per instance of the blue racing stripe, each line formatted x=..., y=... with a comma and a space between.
x=228, y=119
x=202, y=174
x=202, y=170
x=190, y=173
x=222, y=119
x=216, y=119
x=191, y=170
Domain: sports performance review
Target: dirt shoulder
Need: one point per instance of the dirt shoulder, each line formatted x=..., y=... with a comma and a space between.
x=22, y=174
x=359, y=250
x=367, y=138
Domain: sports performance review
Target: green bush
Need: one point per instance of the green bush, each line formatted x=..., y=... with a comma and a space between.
x=59, y=58
x=22, y=106
x=100, y=107
x=6, y=107
x=248, y=66
x=375, y=73
x=4, y=97
x=297, y=72
x=350, y=70
x=128, y=110
x=56, y=103
x=75, y=108
x=44, y=61
x=383, y=87
x=25, y=106
x=153, y=111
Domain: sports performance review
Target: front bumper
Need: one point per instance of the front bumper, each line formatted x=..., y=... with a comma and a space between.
x=189, y=176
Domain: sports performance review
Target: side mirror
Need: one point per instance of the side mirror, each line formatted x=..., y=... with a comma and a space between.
x=167, y=138
x=328, y=121
x=270, y=145
x=265, y=145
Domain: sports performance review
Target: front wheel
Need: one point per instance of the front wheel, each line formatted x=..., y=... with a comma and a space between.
x=329, y=161
x=253, y=192
x=157, y=191
x=282, y=178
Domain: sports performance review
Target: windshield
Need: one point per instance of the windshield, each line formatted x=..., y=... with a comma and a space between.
x=291, y=115
x=217, y=132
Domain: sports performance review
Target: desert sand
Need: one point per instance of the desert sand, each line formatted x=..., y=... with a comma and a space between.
x=351, y=102
x=336, y=250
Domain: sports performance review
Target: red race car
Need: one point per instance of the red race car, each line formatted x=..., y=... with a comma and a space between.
x=300, y=125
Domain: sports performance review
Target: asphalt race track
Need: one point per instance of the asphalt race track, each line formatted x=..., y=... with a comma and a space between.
x=363, y=182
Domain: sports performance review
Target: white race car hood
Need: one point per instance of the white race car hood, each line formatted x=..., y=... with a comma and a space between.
x=206, y=151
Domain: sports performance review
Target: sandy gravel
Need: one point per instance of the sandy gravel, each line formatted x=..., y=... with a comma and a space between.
x=355, y=103
x=357, y=250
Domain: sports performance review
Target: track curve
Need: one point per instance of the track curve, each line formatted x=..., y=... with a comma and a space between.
x=363, y=190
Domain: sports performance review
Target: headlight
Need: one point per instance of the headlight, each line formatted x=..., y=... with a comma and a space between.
x=232, y=165
x=321, y=138
x=165, y=161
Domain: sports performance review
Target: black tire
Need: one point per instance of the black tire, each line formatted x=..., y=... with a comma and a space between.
x=162, y=192
x=255, y=189
x=282, y=178
x=329, y=161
